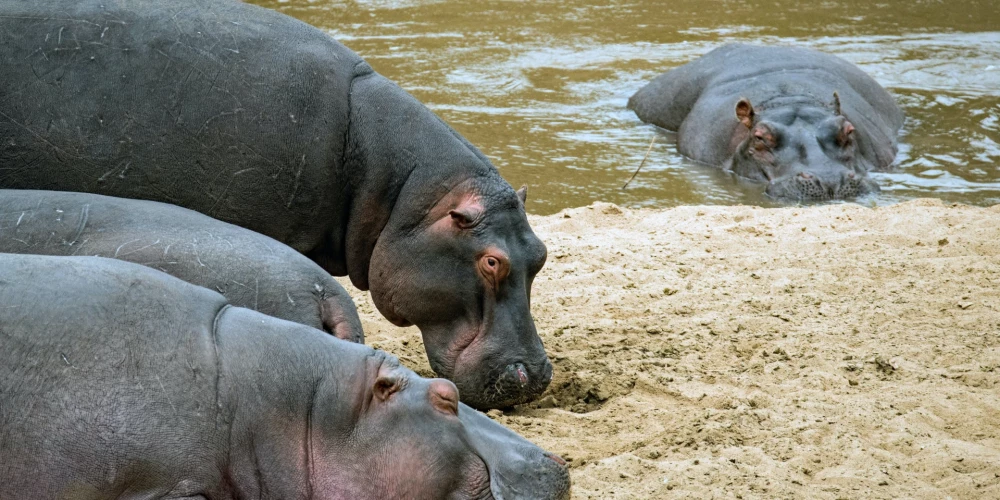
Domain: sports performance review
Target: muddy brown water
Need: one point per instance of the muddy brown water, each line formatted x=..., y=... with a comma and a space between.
x=541, y=86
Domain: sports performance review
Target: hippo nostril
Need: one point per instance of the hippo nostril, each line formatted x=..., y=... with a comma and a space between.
x=555, y=458
x=518, y=373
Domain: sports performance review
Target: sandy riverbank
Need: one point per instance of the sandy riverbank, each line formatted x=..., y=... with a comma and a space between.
x=715, y=352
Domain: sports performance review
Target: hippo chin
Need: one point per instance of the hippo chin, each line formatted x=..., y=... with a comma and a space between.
x=809, y=125
x=117, y=380
x=260, y=120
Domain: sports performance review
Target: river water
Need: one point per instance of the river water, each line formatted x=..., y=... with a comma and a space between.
x=541, y=86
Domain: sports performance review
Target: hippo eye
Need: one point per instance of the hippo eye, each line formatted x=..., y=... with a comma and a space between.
x=494, y=268
x=763, y=139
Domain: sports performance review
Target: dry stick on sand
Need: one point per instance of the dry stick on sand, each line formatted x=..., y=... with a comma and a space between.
x=643, y=162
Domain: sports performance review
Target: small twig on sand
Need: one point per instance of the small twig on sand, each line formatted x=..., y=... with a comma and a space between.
x=643, y=162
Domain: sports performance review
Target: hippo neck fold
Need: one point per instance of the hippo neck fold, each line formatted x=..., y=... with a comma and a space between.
x=300, y=397
x=400, y=159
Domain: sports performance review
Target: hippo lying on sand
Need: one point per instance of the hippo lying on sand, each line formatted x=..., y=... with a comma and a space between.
x=809, y=124
x=117, y=380
x=260, y=120
x=248, y=268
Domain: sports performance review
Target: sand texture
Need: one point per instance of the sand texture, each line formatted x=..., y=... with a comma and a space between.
x=831, y=352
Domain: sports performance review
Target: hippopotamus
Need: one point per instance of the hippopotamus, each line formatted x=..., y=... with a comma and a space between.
x=249, y=269
x=117, y=380
x=810, y=125
x=262, y=121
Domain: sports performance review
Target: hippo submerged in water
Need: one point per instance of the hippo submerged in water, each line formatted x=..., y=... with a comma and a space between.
x=117, y=380
x=262, y=121
x=808, y=124
x=248, y=268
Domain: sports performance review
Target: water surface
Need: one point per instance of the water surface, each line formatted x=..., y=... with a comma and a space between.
x=541, y=86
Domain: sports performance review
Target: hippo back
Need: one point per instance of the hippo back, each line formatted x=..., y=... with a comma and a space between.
x=88, y=370
x=229, y=109
x=697, y=99
x=251, y=270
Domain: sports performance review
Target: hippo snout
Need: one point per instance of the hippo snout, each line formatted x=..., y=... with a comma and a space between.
x=539, y=474
x=516, y=374
x=516, y=383
x=805, y=185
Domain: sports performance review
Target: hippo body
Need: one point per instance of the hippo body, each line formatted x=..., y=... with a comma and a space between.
x=249, y=269
x=257, y=119
x=119, y=381
x=808, y=124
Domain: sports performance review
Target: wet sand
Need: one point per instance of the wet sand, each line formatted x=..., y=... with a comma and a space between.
x=717, y=352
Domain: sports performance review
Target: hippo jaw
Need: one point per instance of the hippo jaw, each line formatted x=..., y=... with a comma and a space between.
x=803, y=153
x=466, y=283
x=518, y=468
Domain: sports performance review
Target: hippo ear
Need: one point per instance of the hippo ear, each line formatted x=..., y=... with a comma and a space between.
x=836, y=104
x=386, y=386
x=744, y=112
x=522, y=193
x=444, y=396
x=467, y=214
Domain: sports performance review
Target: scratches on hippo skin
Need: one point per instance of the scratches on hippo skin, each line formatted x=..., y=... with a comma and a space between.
x=295, y=185
x=166, y=395
x=55, y=148
x=225, y=190
x=119, y=249
x=134, y=251
x=84, y=215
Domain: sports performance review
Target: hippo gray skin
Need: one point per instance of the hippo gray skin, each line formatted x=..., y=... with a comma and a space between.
x=257, y=119
x=808, y=124
x=248, y=268
x=119, y=381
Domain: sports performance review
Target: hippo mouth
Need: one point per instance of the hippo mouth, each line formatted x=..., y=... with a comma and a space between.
x=805, y=186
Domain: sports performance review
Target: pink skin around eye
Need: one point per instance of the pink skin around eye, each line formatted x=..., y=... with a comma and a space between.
x=494, y=267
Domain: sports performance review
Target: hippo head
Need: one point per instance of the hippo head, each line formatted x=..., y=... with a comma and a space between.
x=801, y=152
x=411, y=438
x=465, y=282
x=405, y=441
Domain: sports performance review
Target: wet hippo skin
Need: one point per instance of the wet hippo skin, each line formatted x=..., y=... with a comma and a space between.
x=808, y=124
x=117, y=380
x=257, y=119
